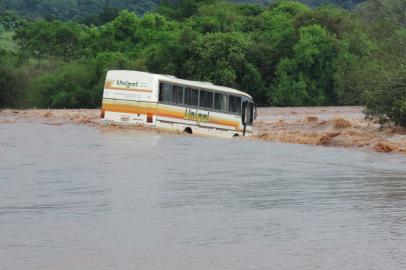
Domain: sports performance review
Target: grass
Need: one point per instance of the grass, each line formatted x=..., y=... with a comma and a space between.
x=6, y=41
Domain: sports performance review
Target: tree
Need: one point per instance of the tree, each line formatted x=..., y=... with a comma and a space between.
x=67, y=86
x=383, y=77
x=352, y=44
x=41, y=39
x=273, y=37
x=180, y=9
x=308, y=77
x=9, y=87
x=74, y=9
x=11, y=80
x=219, y=17
x=108, y=14
x=217, y=57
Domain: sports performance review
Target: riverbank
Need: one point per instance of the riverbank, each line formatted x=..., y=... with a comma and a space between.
x=324, y=126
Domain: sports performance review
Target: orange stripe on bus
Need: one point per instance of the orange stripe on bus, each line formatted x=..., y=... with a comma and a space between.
x=163, y=112
x=128, y=108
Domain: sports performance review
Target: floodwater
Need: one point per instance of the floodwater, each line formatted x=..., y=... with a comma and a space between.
x=75, y=197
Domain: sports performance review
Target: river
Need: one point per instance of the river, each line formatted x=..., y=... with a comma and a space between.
x=76, y=197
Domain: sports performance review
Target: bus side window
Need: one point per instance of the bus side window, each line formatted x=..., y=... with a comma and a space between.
x=202, y=100
x=220, y=102
x=209, y=100
x=234, y=104
x=191, y=97
x=195, y=97
x=177, y=95
x=188, y=96
x=238, y=105
x=180, y=95
x=165, y=92
x=173, y=94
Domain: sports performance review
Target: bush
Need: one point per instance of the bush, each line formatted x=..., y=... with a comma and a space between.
x=388, y=104
x=77, y=84
x=11, y=80
x=9, y=89
x=383, y=78
x=70, y=85
x=307, y=79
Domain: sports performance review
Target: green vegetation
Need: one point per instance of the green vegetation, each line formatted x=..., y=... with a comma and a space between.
x=284, y=54
x=72, y=9
x=382, y=75
x=6, y=41
x=87, y=9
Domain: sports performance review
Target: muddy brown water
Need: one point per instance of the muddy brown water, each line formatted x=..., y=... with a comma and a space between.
x=76, y=197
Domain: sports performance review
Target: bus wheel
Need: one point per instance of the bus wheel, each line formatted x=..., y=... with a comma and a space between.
x=236, y=135
x=188, y=130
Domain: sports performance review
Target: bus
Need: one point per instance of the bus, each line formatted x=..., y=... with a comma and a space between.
x=169, y=103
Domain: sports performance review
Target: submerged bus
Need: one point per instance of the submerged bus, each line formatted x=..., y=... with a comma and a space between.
x=168, y=103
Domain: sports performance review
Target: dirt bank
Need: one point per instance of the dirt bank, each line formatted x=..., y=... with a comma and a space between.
x=325, y=126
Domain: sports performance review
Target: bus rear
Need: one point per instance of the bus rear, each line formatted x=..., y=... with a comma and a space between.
x=129, y=97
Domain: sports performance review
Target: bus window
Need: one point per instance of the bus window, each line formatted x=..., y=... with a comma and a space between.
x=191, y=96
x=173, y=94
x=220, y=101
x=165, y=92
x=188, y=96
x=195, y=97
x=180, y=95
x=206, y=99
x=234, y=104
x=209, y=100
x=238, y=105
x=177, y=95
x=202, y=99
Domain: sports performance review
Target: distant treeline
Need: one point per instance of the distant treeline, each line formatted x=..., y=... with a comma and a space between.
x=72, y=9
x=284, y=54
x=80, y=9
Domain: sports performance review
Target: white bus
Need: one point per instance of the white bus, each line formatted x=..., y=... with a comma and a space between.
x=168, y=103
